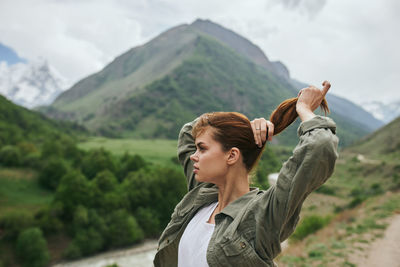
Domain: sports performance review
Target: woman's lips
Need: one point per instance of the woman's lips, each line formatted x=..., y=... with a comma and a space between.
x=196, y=169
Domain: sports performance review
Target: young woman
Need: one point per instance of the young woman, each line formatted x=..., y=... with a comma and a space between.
x=223, y=222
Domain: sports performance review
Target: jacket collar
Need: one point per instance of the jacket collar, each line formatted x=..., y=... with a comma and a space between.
x=237, y=205
x=209, y=194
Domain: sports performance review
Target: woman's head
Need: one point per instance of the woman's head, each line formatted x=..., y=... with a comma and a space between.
x=230, y=130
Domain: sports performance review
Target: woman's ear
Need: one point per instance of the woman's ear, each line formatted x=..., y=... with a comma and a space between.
x=233, y=155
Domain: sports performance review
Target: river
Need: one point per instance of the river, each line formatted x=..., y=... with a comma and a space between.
x=138, y=256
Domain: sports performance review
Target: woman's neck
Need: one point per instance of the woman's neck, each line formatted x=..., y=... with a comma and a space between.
x=235, y=185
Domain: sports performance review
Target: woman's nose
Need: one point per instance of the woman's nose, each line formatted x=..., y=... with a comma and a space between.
x=193, y=157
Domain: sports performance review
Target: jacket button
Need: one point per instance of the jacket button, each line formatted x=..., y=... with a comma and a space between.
x=242, y=244
x=167, y=241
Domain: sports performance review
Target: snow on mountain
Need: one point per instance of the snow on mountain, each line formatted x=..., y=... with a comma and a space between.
x=381, y=111
x=31, y=84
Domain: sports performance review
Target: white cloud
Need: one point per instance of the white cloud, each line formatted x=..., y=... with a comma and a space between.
x=352, y=43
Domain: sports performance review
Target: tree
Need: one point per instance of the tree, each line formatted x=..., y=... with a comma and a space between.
x=148, y=221
x=73, y=190
x=96, y=161
x=32, y=248
x=122, y=229
x=14, y=222
x=52, y=173
x=159, y=189
x=10, y=156
x=130, y=164
x=106, y=195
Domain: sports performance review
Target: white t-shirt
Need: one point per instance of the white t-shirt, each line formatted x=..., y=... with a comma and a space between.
x=193, y=245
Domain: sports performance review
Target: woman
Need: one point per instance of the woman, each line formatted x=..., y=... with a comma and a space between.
x=223, y=222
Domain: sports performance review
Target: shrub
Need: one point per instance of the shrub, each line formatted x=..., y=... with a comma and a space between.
x=96, y=161
x=73, y=190
x=326, y=190
x=105, y=181
x=86, y=242
x=159, y=188
x=14, y=222
x=72, y=251
x=375, y=189
x=48, y=221
x=52, y=173
x=10, y=156
x=148, y=221
x=130, y=164
x=33, y=161
x=52, y=148
x=309, y=225
x=106, y=195
x=32, y=248
x=356, y=201
x=27, y=148
x=122, y=229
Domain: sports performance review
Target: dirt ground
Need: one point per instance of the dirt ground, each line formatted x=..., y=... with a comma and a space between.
x=384, y=251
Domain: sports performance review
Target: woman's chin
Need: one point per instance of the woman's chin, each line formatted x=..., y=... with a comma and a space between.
x=198, y=178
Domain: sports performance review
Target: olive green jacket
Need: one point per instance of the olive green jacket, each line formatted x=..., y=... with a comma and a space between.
x=249, y=231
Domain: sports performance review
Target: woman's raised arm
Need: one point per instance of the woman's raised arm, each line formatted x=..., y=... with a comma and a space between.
x=186, y=147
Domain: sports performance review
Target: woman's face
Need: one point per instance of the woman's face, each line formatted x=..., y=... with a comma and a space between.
x=210, y=161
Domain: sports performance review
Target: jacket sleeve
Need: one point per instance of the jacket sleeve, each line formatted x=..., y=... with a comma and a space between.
x=311, y=164
x=187, y=147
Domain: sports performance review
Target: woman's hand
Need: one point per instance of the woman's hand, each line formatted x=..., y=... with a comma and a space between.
x=309, y=100
x=260, y=128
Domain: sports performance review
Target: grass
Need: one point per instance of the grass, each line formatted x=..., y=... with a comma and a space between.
x=158, y=151
x=19, y=190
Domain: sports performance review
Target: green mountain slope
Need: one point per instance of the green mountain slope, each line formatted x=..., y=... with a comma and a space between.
x=385, y=141
x=127, y=74
x=18, y=124
x=212, y=79
x=151, y=90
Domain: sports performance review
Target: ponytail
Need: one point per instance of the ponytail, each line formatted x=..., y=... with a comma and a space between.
x=286, y=113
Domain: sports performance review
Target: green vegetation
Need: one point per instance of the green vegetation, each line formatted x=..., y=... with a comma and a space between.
x=157, y=151
x=100, y=199
x=32, y=248
x=20, y=190
x=91, y=196
x=19, y=125
x=309, y=225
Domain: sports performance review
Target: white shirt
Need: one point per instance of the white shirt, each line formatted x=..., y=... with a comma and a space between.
x=193, y=245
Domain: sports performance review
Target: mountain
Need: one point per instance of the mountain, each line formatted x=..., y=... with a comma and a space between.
x=384, y=141
x=30, y=84
x=383, y=112
x=20, y=125
x=151, y=90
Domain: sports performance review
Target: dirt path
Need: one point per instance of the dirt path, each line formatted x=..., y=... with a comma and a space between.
x=384, y=251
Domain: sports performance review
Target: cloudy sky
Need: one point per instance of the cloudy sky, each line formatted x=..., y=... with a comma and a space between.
x=354, y=44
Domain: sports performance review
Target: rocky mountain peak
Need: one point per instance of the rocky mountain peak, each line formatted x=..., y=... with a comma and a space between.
x=31, y=84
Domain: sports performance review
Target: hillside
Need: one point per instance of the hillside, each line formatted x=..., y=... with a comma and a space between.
x=151, y=90
x=384, y=142
x=18, y=124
